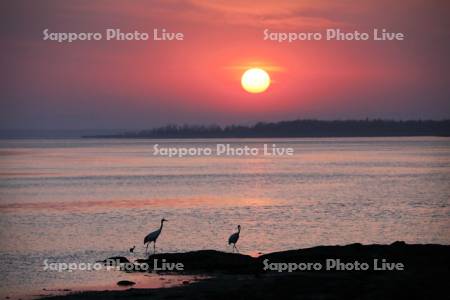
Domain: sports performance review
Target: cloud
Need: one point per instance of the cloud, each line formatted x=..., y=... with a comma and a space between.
x=271, y=13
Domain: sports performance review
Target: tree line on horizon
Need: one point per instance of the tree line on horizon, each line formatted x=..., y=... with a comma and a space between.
x=298, y=128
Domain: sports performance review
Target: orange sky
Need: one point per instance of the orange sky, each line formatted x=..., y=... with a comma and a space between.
x=140, y=84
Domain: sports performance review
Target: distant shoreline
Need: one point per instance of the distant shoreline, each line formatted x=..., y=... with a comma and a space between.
x=282, y=129
x=294, y=129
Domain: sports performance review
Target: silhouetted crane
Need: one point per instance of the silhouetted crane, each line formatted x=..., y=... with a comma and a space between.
x=153, y=236
x=234, y=238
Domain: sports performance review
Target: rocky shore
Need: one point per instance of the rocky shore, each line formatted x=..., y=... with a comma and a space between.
x=353, y=271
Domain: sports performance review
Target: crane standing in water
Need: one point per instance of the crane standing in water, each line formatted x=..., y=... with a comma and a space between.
x=234, y=238
x=153, y=236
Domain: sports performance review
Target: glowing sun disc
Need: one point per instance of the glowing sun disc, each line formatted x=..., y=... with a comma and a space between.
x=255, y=80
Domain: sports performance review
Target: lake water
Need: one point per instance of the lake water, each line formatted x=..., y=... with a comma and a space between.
x=82, y=200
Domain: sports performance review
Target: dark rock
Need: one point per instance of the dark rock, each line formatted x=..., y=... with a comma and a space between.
x=209, y=261
x=398, y=244
x=126, y=283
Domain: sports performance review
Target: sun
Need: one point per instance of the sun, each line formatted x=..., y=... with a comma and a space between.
x=255, y=80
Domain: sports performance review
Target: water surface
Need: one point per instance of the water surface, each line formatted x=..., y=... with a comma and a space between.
x=81, y=200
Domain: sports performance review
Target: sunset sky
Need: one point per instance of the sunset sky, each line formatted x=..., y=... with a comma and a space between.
x=142, y=84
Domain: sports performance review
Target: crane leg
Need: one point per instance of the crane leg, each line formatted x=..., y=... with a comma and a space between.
x=154, y=247
x=146, y=249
